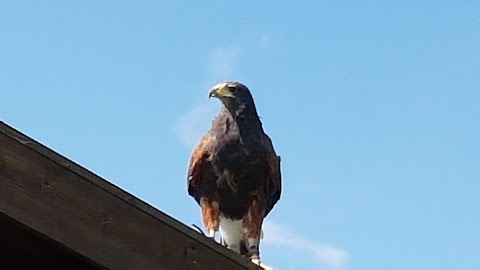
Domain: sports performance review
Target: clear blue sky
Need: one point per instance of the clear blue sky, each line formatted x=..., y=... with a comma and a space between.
x=373, y=106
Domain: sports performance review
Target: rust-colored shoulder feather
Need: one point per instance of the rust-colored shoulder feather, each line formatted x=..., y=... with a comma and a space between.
x=197, y=158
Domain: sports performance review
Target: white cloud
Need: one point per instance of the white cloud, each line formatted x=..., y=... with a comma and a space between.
x=279, y=235
x=193, y=123
x=265, y=40
x=221, y=64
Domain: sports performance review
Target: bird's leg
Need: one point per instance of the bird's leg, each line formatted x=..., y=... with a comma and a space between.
x=211, y=216
x=252, y=224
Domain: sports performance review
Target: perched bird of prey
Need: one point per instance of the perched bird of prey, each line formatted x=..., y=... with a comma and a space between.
x=234, y=172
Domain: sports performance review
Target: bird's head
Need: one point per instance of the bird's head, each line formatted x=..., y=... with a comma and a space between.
x=233, y=95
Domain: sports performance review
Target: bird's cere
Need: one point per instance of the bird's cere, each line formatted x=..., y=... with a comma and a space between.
x=220, y=90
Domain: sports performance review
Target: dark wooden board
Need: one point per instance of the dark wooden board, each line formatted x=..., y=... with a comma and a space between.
x=23, y=248
x=67, y=203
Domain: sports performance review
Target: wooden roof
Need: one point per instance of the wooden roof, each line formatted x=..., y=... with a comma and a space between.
x=55, y=213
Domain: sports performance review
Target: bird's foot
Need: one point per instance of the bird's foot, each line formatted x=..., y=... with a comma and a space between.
x=211, y=234
x=259, y=263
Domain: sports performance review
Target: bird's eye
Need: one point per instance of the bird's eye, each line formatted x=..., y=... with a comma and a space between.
x=232, y=89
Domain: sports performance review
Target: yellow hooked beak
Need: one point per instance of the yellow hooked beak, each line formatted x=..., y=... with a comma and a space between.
x=220, y=91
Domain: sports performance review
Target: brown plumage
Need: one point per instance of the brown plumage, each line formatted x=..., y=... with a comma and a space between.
x=234, y=172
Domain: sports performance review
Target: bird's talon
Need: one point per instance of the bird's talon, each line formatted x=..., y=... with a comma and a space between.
x=211, y=234
x=259, y=263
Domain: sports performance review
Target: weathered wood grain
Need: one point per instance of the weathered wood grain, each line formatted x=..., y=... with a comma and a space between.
x=67, y=203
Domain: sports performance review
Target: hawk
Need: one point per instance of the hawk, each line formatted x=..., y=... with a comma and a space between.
x=234, y=172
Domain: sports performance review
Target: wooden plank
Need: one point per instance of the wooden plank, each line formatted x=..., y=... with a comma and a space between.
x=69, y=204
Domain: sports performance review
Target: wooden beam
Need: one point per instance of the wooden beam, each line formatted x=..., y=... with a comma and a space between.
x=68, y=204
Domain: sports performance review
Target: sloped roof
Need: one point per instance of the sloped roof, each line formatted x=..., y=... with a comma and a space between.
x=58, y=212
